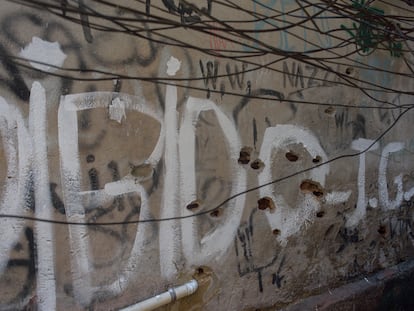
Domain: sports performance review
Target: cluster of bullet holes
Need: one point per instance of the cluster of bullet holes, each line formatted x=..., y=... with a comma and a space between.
x=266, y=203
x=245, y=157
x=195, y=205
x=293, y=157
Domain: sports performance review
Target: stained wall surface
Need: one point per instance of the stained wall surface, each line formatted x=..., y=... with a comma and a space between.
x=281, y=161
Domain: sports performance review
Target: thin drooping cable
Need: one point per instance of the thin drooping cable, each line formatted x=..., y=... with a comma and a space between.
x=349, y=79
x=346, y=78
x=327, y=49
x=169, y=81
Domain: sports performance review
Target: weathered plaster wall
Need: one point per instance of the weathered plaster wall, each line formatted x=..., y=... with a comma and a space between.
x=112, y=145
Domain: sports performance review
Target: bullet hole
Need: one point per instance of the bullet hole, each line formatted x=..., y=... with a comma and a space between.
x=90, y=158
x=382, y=230
x=349, y=70
x=317, y=159
x=142, y=170
x=276, y=231
x=203, y=275
x=216, y=213
x=193, y=205
x=317, y=193
x=266, y=203
x=312, y=187
x=330, y=110
x=257, y=164
x=292, y=157
x=320, y=214
x=245, y=155
x=200, y=270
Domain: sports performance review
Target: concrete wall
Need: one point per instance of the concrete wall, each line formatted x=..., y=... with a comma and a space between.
x=129, y=125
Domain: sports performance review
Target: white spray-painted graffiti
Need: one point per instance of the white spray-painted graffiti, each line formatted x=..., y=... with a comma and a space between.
x=383, y=191
x=29, y=146
x=286, y=220
x=26, y=156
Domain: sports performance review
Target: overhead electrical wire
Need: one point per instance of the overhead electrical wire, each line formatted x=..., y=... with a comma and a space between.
x=294, y=56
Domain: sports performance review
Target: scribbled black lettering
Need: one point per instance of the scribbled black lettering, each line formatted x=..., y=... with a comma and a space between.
x=311, y=80
x=236, y=76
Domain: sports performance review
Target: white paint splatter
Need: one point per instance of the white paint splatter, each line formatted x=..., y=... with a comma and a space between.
x=173, y=65
x=43, y=55
x=117, y=110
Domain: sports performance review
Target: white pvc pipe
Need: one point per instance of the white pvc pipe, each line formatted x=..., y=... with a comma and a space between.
x=162, y=299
